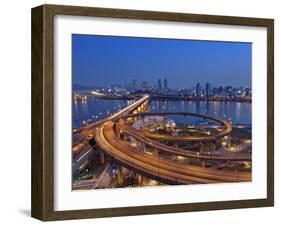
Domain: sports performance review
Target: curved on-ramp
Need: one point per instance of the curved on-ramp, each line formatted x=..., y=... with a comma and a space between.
x=137, y=134
x=227, y=127
x=167, y=170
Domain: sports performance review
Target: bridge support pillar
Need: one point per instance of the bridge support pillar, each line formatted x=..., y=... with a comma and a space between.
x=213, y=147
x=139, y=179
x=143, y=147
x=228, y=141
x=101, y=157
x=174, y=157
x=119, y=175
x=155, y=152
x=203, y=163
x=133, y=140
x=118, y=133
x=139, y=145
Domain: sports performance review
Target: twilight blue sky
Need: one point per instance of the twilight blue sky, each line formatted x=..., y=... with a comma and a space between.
x=106, y=60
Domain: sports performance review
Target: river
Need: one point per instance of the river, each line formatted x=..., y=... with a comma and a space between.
x=96, y=109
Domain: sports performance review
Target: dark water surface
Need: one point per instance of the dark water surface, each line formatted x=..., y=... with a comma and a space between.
x=236, y=112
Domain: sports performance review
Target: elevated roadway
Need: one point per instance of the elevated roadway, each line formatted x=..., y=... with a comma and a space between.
x=227, y=127
x=142, y=137
x=125, y=111
x=164, y=170
x=88, y=132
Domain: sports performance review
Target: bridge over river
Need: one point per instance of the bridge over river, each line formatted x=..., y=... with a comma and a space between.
x=111, y=135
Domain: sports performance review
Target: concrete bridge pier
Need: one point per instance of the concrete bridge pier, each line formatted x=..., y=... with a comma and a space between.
x=119, y=175
x=203, y=163
x=174, y=157
x=155, y=152
x=228, y=141
x=133, y=140
x=140, y=179
x=143, y=147
x=101, y=157
x=139, y=145
x=213, y=147
x=118, y=133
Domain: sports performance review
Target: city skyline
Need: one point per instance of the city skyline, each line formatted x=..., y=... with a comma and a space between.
x=137, y=84
x=161, y=88
x=106, y=60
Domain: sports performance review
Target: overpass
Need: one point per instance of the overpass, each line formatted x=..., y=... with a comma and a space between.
x=157, y=146
x=162, y=169
x=125, y=111
x=82, y=150
x=143, y=136
x=107, y=135
x=226, y=130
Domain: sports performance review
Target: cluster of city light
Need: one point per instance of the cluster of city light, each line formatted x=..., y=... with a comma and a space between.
x=83, y=98
x=196, y=90
x=226, y=93
x=235, y=147
x=97, y=93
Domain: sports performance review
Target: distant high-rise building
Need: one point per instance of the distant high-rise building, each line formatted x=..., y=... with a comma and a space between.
x=208, y=90
x=159, y=84
x=215, y=91
x=134, y=84
x=220, y=91
x=248, y=92
x=165, y=83
x=144, y=85
x=228, y=90
x=198, y=89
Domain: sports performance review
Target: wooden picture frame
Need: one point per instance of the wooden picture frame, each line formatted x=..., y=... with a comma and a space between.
x=43, y=111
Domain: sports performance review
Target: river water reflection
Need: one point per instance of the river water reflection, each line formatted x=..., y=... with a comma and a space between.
x=236, y=112
x=93, y=110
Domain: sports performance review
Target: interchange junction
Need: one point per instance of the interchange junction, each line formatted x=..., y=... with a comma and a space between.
x=169, y=157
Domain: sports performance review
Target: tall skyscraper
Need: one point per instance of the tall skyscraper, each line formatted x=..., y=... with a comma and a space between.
x=165, y=83
x=198, y=89
x=159, y=84
x=134, y=84
x=208, y=89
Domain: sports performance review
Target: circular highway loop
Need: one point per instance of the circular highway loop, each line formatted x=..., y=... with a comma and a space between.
x=227, y=127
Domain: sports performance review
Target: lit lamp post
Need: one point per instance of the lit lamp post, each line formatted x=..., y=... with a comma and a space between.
x=228, y=140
